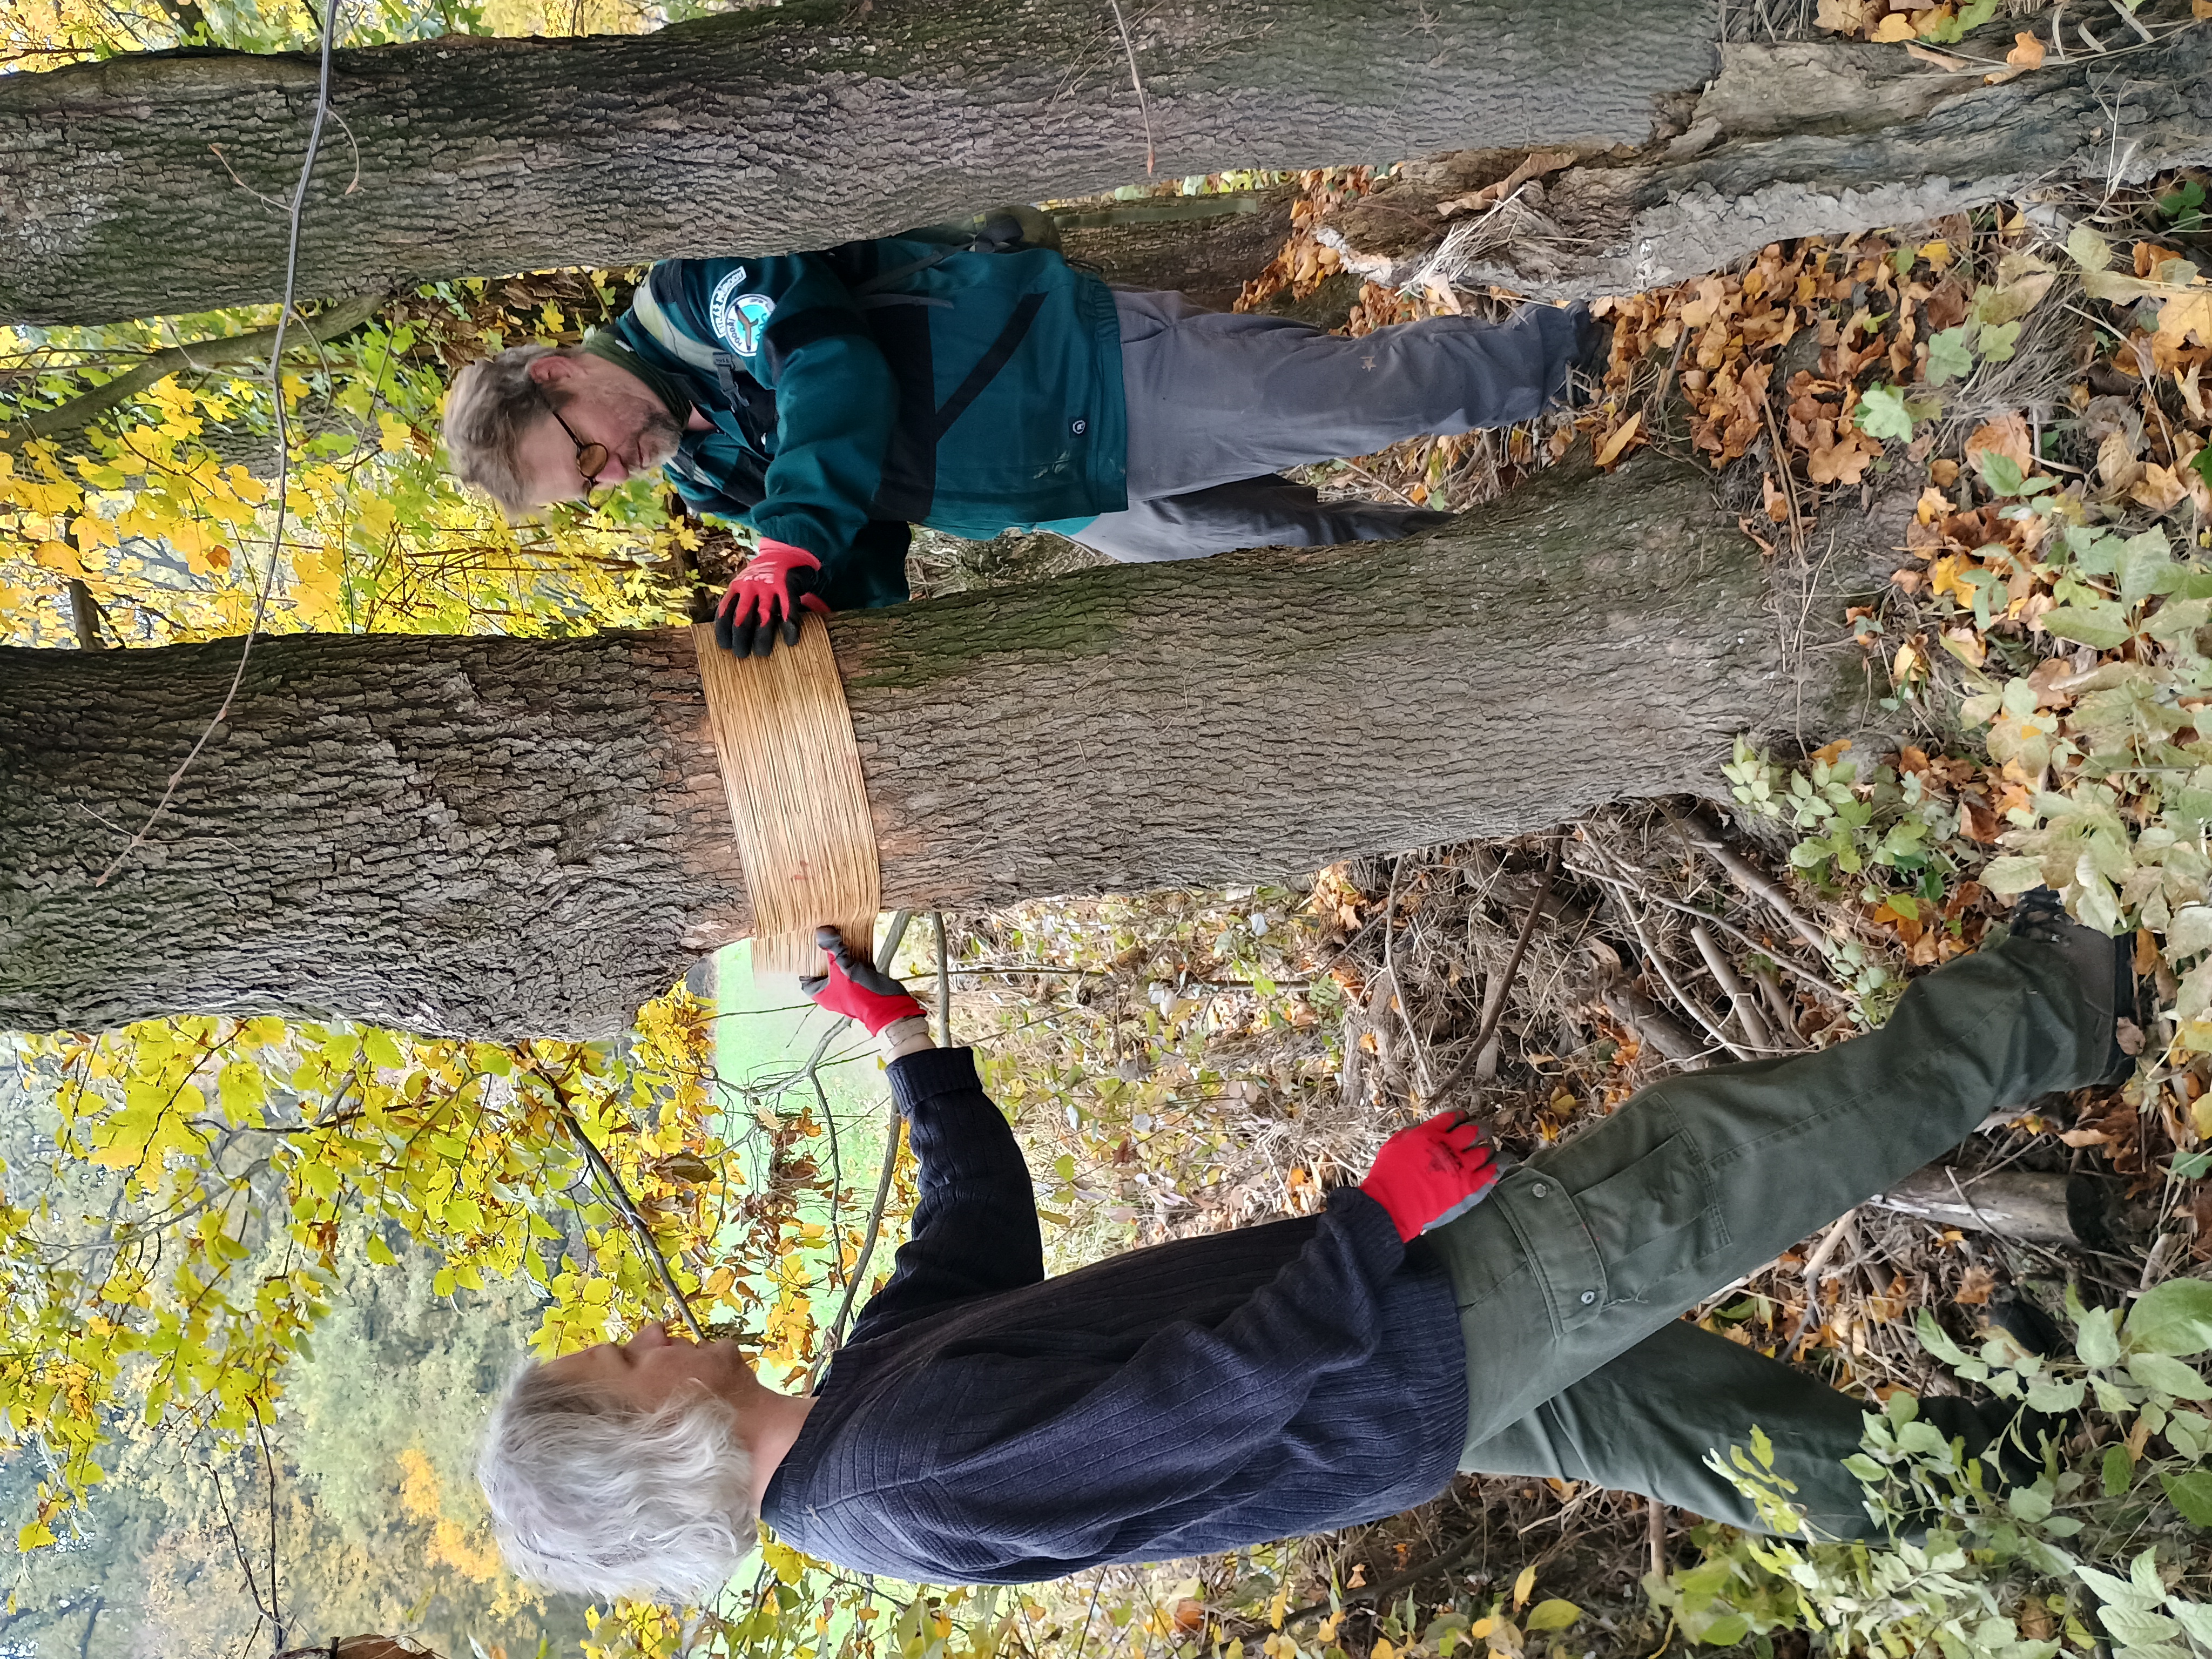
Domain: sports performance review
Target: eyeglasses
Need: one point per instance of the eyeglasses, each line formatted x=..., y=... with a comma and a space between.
x=590, y=458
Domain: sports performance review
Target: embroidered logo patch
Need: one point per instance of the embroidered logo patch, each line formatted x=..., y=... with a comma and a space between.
x=737, y=319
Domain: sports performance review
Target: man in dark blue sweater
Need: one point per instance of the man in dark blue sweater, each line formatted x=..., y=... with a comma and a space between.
x=986, y=1424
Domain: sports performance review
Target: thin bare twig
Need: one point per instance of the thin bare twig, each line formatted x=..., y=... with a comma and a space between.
x=943, y=984
x=631, y=1214
x=874, y=1227
x=1752, y=881
x=268, y=1463
x=1683, y=998
x=1412, y=1574
x=1839, y=1230
x=283, y=451
x=1657, y=963
x=1144, y=106
x=1733, y=931
x=1512, y=966
x=1747, y=1016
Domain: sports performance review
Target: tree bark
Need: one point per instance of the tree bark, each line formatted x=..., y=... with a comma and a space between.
x=795, y=126
x=510, y=837
x=805, y=125
x=1801, y=139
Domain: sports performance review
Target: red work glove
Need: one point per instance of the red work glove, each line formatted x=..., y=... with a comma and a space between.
x=764, y=599
x=1428, y=1174
x=855, y=987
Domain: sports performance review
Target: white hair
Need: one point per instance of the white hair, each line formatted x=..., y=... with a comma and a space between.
x=592, y=1495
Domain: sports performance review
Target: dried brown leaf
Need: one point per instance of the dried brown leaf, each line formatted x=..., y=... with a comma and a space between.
x=2006, y=435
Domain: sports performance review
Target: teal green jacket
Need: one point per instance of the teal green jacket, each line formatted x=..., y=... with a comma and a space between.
x=886, y=383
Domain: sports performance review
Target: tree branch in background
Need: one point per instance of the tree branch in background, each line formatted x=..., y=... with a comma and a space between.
x=636, y=1217
x=944, y=985
x=84, y=615
x=269, y=1464
x=268, y=582
x=341, y=316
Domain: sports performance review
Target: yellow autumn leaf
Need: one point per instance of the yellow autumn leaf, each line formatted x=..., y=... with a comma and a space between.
x=394, y=435
x=2185, y=314
x=1619, y=440
x=2161, y=489
x=1523, y=1585
x=1897, y=27
x=2026, y=53
x=378, y=517
x=1554, y=1615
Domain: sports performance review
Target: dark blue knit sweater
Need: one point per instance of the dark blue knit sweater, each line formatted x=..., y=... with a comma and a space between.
x=986, y=1424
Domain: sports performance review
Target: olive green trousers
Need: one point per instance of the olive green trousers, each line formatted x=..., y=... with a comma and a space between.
x=1572, y=1276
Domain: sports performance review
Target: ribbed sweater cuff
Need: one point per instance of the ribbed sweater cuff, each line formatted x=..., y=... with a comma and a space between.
x=918, y=1077
x=1373, y=1232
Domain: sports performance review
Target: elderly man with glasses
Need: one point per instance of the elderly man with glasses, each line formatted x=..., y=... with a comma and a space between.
x=831, y=400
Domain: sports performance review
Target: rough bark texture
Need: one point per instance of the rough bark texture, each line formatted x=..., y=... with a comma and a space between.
x=1262, y=713
x=510, y=838
x=795, y=126
x=1801, y=139
x=470, y=834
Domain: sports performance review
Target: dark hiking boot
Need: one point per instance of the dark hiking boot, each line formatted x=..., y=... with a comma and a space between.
x=2103, y=967
x=1593, y=349
x=2032, y=1330
x=2020, y=1450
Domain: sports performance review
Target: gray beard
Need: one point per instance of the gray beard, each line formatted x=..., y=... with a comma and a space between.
x=658, y=436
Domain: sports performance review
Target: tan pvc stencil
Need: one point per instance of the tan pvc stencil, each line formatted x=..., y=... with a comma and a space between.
x=792, y=772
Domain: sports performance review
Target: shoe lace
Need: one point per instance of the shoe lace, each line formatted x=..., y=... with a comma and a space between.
x=2041, y=915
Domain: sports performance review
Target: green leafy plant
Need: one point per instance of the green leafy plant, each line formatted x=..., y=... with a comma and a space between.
x=1970, y=1566
x=2183, y=207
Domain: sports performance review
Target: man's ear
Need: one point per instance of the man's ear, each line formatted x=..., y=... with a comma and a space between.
x=553, y=369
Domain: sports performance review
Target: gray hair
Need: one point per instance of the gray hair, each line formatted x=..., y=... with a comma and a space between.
x=490, y=405
x=590, y=1494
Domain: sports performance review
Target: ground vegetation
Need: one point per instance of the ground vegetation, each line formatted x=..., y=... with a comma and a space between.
x=1961, y=443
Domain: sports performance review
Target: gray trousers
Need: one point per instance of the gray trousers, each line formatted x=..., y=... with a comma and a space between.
x=1219, y=403
x=1571, y=1277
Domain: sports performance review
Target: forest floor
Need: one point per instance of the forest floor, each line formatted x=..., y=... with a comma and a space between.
x=1192, y=1061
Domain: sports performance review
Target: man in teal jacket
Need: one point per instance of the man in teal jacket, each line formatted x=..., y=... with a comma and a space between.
x=831, y=400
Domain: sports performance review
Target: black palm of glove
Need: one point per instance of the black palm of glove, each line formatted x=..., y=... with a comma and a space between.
x=856, y=987
x=766, y=599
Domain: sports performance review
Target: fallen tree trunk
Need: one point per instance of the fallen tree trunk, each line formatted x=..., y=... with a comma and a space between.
x=1800, y=139
x=2018, y=1204
x=507, y=837
x=799, y=126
